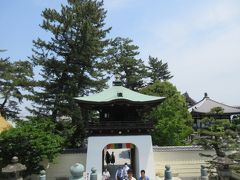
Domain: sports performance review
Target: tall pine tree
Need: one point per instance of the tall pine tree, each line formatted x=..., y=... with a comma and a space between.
x=157, y=70
x=70, y=61
x=122, y=60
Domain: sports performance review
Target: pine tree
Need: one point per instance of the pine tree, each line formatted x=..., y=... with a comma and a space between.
x=123, y=61
x=16, y=79
x=221, y=136
x=70, y=61
x=157, y=70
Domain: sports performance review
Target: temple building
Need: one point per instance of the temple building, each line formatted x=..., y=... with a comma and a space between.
x=203, y=109
x=117, y=123
x=190, y=101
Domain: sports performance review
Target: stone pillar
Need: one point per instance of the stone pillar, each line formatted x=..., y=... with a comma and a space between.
x=167, y=173
x=42, y=175
x=93, y=175
x=204, y=173
x=77, y=172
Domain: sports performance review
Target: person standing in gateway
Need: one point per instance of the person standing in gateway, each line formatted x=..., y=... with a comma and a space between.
x=107, y=158
x=143, y=176
x=112, y=158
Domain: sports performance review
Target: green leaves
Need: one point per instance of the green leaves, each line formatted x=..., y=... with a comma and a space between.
x=216, y=110
x=157, y=70
x=16, y=79
x=221, y=136
x=32, y=141
x=121, y=60
x=70, y=60
x=172, y=119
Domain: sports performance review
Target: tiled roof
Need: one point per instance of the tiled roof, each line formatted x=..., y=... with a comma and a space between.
x=206, y=104
x=119, y=93
x=189, y=100
x=176, y=148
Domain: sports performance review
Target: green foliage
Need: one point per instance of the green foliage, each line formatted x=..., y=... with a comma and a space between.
x=216, y=110
x=236, y=123
x=157, y=70
x=15, y=82
x=222, y=136
x=122, y=60
x=70, y=61
x=218, y=134
x=32, y=142
x=172, y=119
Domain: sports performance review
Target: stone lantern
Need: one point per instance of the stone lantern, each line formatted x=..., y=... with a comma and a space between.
x=14, y=169
x=222, y=167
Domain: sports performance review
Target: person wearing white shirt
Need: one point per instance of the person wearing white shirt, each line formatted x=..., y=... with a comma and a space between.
x=125, y=170
x=106, y=175
x=130, y=175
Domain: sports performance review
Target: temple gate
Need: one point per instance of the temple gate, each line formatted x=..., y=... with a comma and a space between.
x=118, y=120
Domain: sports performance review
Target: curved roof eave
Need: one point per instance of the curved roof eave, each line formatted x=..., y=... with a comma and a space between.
x=121, y=100
x=206, y=104
x=226, y=113
x=119, y=94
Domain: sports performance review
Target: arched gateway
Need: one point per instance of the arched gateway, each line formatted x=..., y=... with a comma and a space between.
x=118, y=121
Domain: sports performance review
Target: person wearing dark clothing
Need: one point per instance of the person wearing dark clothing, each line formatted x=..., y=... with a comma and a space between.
x=112, y=158
x=107, y=158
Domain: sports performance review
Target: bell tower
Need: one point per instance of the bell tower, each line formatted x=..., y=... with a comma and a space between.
x=117, y=121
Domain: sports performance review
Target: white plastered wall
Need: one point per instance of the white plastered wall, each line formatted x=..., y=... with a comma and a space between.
x=144, y=152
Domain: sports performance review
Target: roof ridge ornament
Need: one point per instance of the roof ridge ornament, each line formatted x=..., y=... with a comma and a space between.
x=206, y=95
x=117, y=81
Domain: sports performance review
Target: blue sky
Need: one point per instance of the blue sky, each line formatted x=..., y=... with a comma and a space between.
x=198, y=39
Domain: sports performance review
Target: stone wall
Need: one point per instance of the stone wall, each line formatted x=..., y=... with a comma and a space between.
x=184, y=162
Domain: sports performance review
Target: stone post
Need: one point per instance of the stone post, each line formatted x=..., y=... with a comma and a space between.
x=77, y=172
x=204, y=173
x=167, y=173
x=42, y=175
x=93, y=175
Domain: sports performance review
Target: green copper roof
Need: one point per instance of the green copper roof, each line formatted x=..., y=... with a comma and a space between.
x=119, y=93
